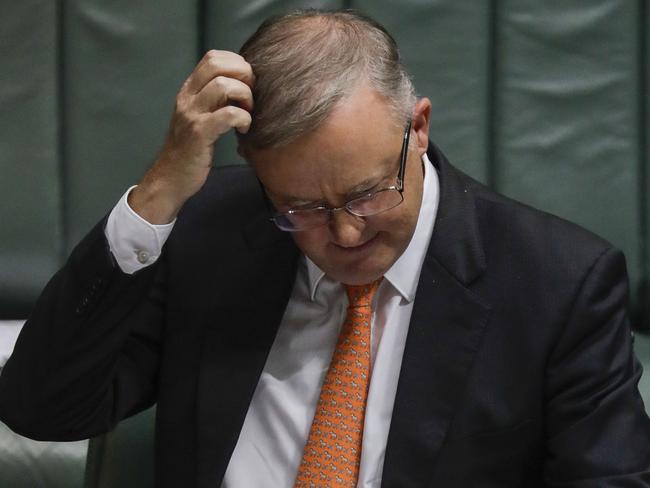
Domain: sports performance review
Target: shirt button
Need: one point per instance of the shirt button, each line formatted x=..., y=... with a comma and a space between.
x=143, y=257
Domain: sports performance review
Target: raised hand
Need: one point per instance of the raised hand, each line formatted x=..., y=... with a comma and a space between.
x=216, y=97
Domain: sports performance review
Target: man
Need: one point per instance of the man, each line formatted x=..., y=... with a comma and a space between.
x=397, y=324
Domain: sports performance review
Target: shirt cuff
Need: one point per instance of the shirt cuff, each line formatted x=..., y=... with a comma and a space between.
x=134, y=242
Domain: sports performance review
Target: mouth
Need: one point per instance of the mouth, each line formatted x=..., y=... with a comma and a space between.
x=361, y=247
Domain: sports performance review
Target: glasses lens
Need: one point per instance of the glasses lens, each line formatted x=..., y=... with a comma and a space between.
x=296, y=220
x=375, y=203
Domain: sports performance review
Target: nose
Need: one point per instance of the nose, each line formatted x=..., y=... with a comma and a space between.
x=346, y=229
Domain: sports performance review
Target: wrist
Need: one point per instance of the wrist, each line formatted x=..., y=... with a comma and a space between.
x=154, y=202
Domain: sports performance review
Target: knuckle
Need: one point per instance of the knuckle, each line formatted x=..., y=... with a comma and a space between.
x=213, y=62
x=221, y=83
x=242, y=114
x=244, y=124
x=248, y=71
x=230, y=111
x=244, y=119
x=245, y=64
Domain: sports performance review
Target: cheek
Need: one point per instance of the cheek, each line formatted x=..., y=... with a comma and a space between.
x=397, y=222
x=311, y=242
x=397, y=227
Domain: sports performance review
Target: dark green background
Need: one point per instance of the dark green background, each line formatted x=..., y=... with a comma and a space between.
x=546, y=101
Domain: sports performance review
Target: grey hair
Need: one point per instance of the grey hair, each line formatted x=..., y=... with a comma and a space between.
x=307, y=61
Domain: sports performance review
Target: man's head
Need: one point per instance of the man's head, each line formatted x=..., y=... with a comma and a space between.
x=331, y=104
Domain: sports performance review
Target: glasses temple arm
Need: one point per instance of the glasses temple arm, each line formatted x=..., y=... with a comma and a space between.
x=405, y=147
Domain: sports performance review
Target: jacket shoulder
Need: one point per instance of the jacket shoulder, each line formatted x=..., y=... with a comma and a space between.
x=532, y=230
x=513, y=233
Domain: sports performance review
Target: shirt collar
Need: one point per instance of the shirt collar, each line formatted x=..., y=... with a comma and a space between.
x=404, y=274
x=314, y=276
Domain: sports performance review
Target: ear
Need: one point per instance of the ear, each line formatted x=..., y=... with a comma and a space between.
x=420, y=124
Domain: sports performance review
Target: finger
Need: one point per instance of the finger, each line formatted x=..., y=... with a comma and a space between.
x=222, y=91
x=222, y=120
x=219, y=63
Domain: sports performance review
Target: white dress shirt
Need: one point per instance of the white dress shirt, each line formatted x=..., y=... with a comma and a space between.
x=277, y=424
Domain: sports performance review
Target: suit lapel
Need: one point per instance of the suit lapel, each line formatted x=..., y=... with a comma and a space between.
x=445, y=332
x=237, y=341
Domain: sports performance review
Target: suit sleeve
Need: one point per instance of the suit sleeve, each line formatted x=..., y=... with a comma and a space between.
x=88, y=354
x=597, y=431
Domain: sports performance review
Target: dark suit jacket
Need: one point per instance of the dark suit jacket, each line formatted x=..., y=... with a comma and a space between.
x=518, y=368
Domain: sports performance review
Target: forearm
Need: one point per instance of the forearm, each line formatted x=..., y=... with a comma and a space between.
x=68, y=377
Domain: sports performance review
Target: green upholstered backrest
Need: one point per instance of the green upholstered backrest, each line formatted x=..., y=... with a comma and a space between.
x=125, y=457
x=30, y=464
x=31, y=229
x=545, y=101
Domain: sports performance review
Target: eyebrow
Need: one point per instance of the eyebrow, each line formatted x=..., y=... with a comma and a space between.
x=365, y=185
x=295, y=201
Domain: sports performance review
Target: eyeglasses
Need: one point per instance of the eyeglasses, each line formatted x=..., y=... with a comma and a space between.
x=366, y=205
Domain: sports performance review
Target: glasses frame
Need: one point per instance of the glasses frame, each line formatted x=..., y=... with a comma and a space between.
x=346, y=206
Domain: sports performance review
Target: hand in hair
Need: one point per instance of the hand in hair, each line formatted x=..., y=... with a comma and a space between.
x=216, y=97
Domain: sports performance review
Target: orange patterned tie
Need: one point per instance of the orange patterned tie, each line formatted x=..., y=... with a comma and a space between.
x=333, y=451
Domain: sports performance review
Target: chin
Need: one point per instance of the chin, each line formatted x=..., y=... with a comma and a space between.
x=361, y=275
x=353, y=268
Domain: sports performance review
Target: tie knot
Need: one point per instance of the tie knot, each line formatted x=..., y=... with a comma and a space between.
x=361, y=295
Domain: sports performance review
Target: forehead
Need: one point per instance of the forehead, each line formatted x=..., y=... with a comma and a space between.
x=359, y=141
